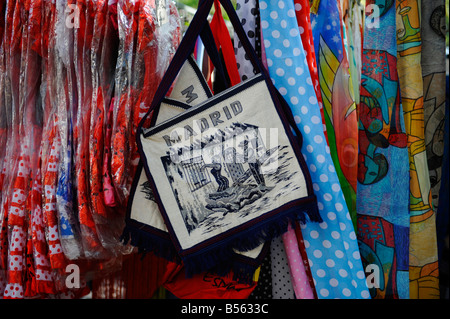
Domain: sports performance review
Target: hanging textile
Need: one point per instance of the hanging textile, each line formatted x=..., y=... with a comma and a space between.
x=363, y=82
x=248, y=13
x=302, y=11
x=443, y=213
x=338, y=96
x=63, y=54
x=223, y=42
x=383, y=179
x=282, y=287
x=91, y=243
x=263, y=289
x=293, y=256
x=434, y=95
x=353, y=19
x=207, y=285
x=299, y=277
x=423, y=264
x=331, y=246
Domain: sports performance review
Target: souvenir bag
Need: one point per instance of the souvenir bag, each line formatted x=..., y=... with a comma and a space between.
x=221, y=183
x=143, y=209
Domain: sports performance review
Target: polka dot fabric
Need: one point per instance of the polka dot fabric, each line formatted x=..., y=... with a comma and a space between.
x=331, y=246
x=281, y=276
x=263, y=289
x=248, y=13
x=300, y=280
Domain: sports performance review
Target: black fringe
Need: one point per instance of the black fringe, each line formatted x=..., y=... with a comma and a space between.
x=147, y=242
x=218, y=257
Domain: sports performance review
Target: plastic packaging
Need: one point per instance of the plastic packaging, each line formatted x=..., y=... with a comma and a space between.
x=155, y=34
x=91, y=243
x=76, y=77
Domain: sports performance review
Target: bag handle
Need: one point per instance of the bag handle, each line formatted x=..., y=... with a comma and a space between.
x=211, y=48
x=187, y=46
x=223, y=40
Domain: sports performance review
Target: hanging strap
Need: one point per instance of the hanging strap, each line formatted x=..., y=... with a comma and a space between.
x=211, y=48
x=188, y=43
x=223, y=40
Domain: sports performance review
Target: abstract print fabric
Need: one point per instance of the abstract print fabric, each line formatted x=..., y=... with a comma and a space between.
x=435, y=112
x=423, y=259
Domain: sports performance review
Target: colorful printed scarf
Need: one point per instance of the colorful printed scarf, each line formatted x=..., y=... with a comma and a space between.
x=434, y=99
x=248, y=13
x=383, y=179
x=433, y=71
x=423, y=263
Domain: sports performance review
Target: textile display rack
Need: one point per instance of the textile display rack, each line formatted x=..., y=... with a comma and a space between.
x=224, y=149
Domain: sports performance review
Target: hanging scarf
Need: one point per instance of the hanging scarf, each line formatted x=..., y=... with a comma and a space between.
x=4, y=128
x=282, y=287
x=248, y=13
x=353, y=17
x=127, y=13
x=300, y=278
x=20, y=167
x=97, y=123
x=223, y=42
x=302, y=11
x=338, y=96
x=263, y=290
x=435, y=113
x=434, y=94
x=443, y=211
x=91, y=243
x=382, y=199
x=331, y=246
x=423, y=263
x=62, y=57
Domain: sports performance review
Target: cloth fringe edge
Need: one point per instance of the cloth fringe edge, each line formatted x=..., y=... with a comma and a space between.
x=218, y=257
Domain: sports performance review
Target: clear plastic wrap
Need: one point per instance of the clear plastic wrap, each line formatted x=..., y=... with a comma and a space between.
x=70, y=102
x=127, y=14
x=91, y=242
x=158, y=36
x=109, y=226
x=67, y=220
x=17, y=164
x=11, y=134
